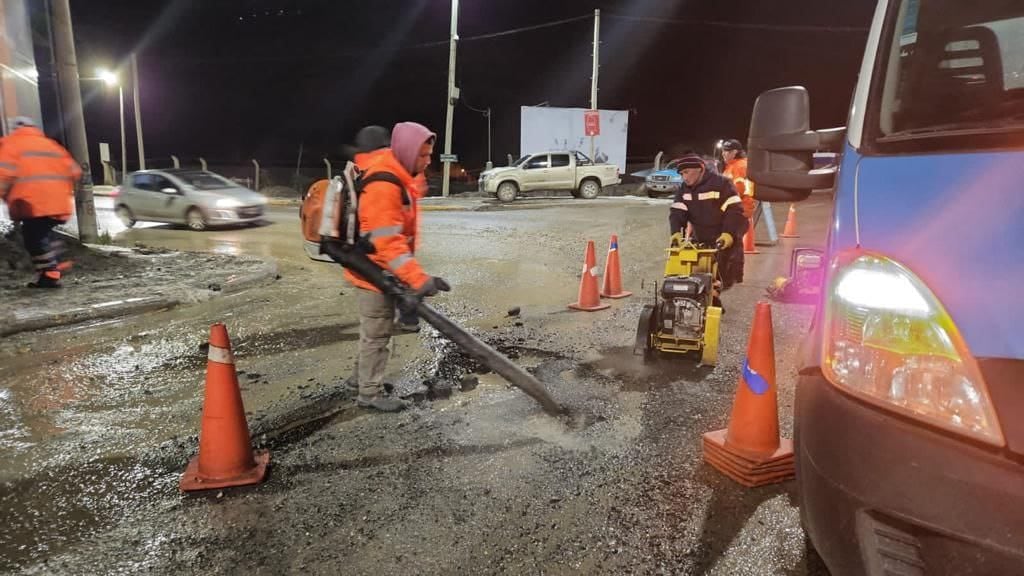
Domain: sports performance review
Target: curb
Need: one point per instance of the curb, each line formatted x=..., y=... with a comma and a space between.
x=15, y=322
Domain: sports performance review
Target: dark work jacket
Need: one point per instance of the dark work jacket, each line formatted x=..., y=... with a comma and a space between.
x=712, y=207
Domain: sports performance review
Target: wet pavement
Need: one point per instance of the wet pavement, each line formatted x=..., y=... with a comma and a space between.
x=98, y=421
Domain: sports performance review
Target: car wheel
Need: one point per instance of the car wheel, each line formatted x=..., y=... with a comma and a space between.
x=507, y=191
x=125, y=215
x=589, y=189
x=195, y=219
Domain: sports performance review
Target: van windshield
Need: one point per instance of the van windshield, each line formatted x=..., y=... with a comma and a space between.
x=954, y=69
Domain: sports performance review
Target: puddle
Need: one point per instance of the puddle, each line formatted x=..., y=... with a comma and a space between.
x=58, y=507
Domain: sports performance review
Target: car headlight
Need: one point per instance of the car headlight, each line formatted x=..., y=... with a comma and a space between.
x=889, y=341
x=228, y=203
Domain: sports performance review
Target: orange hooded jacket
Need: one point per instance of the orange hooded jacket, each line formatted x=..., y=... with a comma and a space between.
x=390, y=217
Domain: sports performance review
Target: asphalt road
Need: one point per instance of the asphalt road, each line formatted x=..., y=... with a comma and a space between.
x=480, y=482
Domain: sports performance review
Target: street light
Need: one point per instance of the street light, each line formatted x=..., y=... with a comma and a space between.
x=110, y=79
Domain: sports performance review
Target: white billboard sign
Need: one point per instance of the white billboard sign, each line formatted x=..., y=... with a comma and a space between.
x=543, y=128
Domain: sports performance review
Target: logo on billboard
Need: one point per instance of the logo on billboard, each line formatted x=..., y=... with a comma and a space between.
x=592, y=123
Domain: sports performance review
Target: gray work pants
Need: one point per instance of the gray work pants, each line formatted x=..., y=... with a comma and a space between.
x=376, y=318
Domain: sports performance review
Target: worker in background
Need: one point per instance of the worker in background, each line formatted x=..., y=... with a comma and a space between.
x=37, y=181
x=735, y=159
x=708, y=201
x=388, y=215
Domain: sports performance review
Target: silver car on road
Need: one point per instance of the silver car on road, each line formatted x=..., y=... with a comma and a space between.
x=196, y=198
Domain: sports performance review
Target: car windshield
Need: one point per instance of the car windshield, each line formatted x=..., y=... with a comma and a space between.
x=521, y=160
x=205, y=180
x=953, y=68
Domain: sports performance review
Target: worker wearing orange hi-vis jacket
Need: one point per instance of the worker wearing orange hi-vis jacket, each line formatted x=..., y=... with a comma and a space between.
x=736, y=170
x=37, y=181
x=388, y=215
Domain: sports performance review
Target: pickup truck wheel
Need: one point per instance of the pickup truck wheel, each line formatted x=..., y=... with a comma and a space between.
x=507, y=191
x=589, y=189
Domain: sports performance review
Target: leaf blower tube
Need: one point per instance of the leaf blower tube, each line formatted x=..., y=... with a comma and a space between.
x=357, y=261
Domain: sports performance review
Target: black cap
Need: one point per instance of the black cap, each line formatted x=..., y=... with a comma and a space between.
x=690, y=161
x=732, y=145
x=372, y=138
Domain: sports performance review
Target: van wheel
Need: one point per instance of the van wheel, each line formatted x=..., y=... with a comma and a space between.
x=589, y=189
x=507, y=191
x=125, y=215
x=195, y=219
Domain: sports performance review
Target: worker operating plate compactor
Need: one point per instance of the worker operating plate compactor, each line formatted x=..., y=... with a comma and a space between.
x=685, y=316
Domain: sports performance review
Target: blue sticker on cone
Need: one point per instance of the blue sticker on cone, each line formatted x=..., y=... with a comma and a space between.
x=757, y=383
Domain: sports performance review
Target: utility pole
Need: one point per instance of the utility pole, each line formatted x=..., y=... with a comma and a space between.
x=124, y=147
x=452, y=96
x=138, y=111
x=593, y=74
x=74, y=121
x=489, y=163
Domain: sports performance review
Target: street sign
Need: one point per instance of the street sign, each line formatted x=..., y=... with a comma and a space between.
x=449, y=158
x=104, y=152
x=592, y=123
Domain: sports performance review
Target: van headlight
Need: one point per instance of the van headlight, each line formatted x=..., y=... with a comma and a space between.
x=889, y=341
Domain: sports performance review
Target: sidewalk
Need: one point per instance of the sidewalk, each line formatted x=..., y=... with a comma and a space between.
x=110, y=282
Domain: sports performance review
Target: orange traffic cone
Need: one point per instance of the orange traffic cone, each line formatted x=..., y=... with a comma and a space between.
x=748, y=239
x=750, y=451
x=225, y=457
x=790, y=230
x=612, y=275
x=589, y=299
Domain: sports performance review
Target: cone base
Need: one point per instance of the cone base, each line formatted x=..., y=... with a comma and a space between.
x=192, y=480
x=750, y=480
x=778, y=466
x=755, y=251
x=594, y=308
x=622, y=294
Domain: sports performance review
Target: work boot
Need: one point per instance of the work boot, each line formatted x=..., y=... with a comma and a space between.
x=44, y=281
x=381, y=402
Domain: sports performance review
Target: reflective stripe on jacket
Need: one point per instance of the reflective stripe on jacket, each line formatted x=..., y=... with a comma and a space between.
x=388, y=217
x=737, y=172
x=37, y=176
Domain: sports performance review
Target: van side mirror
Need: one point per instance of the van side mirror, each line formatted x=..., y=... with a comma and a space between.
x=169, y=190
x=781, y=147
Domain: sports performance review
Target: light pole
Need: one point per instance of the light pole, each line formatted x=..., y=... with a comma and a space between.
x=110, y=79
x=453, y=93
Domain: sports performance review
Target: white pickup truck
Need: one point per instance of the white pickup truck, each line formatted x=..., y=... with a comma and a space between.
x=572, y=171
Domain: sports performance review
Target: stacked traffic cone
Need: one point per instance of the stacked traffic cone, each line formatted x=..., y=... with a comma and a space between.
x=225, y=456
x=748, y=239
x=612, y=275
x=750, y=451
x=790, y=229
x=589, y=299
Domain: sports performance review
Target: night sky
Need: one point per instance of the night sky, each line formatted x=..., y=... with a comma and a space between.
x=232, y=80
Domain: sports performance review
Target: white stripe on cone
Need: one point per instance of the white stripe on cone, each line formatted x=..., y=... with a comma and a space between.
x=222, y=355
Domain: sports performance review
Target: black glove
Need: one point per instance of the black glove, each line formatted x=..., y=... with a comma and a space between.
x=432, y=286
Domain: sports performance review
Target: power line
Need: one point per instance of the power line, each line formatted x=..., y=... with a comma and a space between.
x=359, y=52
x=743, y=25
